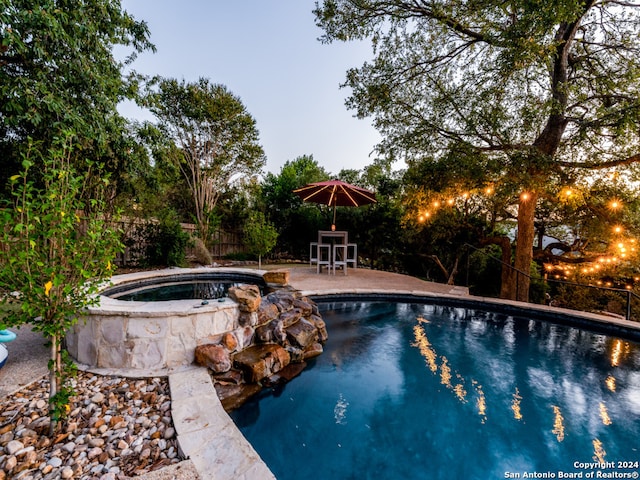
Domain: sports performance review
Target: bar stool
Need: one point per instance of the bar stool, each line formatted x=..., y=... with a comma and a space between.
x=313, y=253
x=352, y=248
x=324, y=257
x=340, y=257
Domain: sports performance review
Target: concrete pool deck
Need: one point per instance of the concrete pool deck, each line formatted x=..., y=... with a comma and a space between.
x=207, y=436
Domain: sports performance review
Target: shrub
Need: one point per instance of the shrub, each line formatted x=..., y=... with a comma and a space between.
x=165, y=241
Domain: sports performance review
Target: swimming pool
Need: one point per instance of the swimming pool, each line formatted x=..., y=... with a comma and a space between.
x=410, y=390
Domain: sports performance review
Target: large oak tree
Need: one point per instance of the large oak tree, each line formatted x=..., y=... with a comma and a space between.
x=543, y=92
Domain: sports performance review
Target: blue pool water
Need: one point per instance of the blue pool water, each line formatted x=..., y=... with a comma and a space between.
x=181, y=290
x=413, y=391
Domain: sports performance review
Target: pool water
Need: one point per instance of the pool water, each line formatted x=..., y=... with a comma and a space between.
x=413, y=391
x=185, y=290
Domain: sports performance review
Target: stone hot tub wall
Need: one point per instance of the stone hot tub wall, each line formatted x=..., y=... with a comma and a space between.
x=149, y=335
x=156, y=336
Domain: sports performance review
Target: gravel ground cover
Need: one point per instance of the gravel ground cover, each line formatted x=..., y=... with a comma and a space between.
x=117, y=428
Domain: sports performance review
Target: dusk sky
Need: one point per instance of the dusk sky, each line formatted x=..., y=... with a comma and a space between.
x=267, y=53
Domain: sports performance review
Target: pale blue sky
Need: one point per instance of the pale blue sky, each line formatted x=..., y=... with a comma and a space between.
x=267, y=53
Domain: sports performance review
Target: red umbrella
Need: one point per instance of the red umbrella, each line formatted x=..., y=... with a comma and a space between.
x=335, y=193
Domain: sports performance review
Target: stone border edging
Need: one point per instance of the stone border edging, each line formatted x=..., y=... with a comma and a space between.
x=207, y=435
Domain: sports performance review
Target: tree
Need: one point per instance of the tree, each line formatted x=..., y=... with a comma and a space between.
x=296, y=222
x=58, y=73
x=259, y=235
x=546, y=92
x=57, y=250
x=215, y=140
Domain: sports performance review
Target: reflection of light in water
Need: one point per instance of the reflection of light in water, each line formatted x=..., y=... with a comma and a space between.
x=615, y=355
x=421, y=319
x=599, y=452
x=604, y=415
x=431, y=357
x=481, y=402
x=515, y=405
x=558, y=424
x=425, y=348
x=459, y=390
x=445, y=373
x=340, y=411
x=611, y=383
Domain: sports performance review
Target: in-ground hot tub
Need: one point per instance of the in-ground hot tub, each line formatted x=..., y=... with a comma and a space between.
x=159, y=335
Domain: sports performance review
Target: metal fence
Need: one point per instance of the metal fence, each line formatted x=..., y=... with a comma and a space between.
x=616, y=302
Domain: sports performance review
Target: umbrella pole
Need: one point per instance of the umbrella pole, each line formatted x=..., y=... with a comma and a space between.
x=333, y=224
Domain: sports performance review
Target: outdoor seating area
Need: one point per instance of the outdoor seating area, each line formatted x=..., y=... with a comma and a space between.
x=333, y=251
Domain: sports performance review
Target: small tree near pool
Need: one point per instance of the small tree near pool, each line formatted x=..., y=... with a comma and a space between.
x=259, y=236
x=53, y=260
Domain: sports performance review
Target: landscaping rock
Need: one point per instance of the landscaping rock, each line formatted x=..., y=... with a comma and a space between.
x=313, y=351
x=234, y=396
x=214, y=357
x=229, y=341
x=287, y=374
x=277, y=277
x=302, y=333
x=129, y=432
x=247, y=297
x=290, y=317
x=267, y=312
x=260, y=361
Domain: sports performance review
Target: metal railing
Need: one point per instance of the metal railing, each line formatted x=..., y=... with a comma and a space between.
x=629, y=296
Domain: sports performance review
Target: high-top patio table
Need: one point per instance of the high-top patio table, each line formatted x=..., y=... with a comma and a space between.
x=336, y=236
x=330, y=250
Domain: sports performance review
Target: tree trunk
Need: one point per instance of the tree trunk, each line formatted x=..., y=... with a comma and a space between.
x=524, y=244
x=53, y=380
x=454, y=272
x=507, y=278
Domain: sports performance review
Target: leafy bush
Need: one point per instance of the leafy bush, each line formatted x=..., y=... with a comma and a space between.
x=57, y=250
x=165, y=241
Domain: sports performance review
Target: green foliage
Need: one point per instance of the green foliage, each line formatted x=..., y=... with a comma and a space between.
x=524, y=95
x=588, y=299
x=259, y=235
x=58, y=73
x=297, y=222
x=57, y=250
x=165, y=241
x=210, y=136
x=484, y=270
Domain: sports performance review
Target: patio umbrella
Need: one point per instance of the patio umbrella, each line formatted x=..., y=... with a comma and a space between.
x=335, y=193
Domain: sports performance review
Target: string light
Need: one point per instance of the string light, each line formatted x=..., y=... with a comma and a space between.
x=624, y=250
x=615, y=204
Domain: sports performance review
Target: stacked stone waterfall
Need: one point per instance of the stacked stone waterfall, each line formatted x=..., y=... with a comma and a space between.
x=281, y=328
